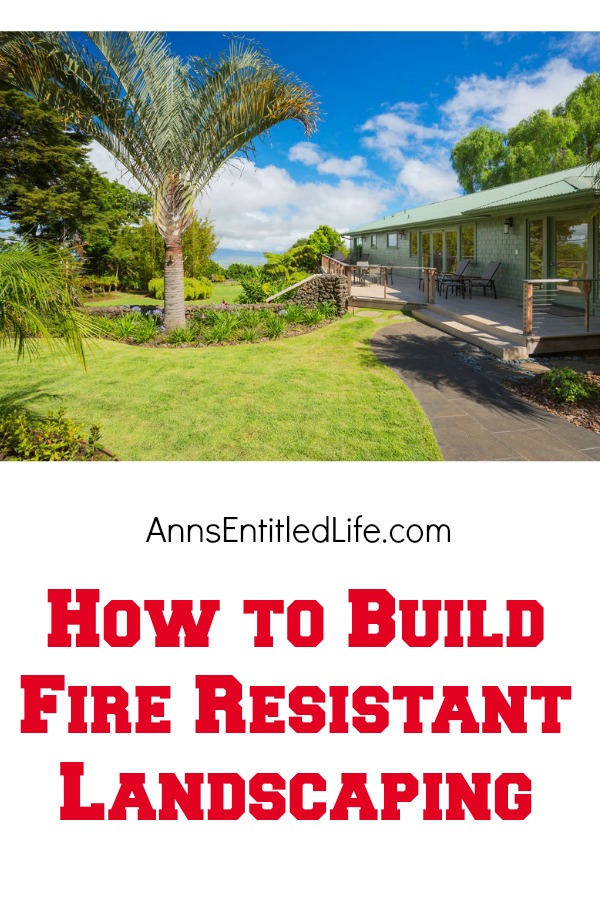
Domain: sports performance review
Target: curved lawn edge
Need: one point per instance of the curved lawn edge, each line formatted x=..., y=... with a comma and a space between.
x=320, y=396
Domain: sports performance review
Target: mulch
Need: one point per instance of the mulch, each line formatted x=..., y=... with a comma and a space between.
x=585, y=414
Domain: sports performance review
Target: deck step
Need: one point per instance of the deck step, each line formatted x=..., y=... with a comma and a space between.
x=481, y=323
x=446, y=322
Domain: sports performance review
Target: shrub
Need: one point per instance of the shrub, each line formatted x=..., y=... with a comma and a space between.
x=568, y=387
x=248, y=333
x=240, y=270
x=273, y=324
x=182, y=335
x=156, y=288
x=193, y=288
x=295, y=314
x=54, y=437
x=223, y=328
x=133, y=326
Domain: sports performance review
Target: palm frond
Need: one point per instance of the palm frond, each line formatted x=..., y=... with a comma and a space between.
x=38, y=300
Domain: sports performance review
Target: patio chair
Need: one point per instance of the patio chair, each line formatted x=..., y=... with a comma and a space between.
x=485, y=280
x=339, y=256
x=373, y=275
x=361, y=271
x=452, y=280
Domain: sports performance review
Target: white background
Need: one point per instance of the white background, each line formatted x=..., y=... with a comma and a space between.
x=518, y=531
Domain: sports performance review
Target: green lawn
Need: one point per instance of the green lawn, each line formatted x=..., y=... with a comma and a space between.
x=228, y=293
x=320, y=396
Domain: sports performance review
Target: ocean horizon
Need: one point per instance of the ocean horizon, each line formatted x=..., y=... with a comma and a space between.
x=225, y=257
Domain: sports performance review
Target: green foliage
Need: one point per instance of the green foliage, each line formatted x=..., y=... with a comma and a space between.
x=181, y=335
x=273, y=324
x=541, y=143
x=193, y=288
x=326, y=240
x=49, y=189
x=219, y=328
x=583, y=107
x=199, y=244
x=478, y=158
x=54, y=437
x=38, y=299
x=132, y=326
x=295, y=314
x=568, y=386
x=211, y=269
x=240, y=270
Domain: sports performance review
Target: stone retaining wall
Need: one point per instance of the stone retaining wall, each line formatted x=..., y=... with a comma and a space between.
x=324, y=289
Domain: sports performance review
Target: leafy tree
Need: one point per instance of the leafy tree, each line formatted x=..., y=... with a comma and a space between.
x=138, y=254
x=542, y=143
x=326, y=239
x=199, y=244
x=50, y=191
x=479, y=158
x=171, y=123
x=41, y=185
x=539, y=144
x=240, y=270
x=583, y=107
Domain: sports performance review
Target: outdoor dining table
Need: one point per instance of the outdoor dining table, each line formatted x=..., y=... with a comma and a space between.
x=359, y=270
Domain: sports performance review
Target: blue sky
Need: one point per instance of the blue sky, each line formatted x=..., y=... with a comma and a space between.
x=392, y=106
x=388, y=121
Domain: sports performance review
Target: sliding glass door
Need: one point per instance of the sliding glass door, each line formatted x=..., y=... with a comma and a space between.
x=570, y=257
x=439, y=249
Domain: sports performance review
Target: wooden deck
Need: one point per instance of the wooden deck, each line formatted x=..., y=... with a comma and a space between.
x=486, y=320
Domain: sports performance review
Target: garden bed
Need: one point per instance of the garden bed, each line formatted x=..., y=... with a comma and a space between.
x=223, y=325
x=582, y=412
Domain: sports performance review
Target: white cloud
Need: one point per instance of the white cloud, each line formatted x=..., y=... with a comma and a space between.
x=107, y=165
x=394, y=135
x=353, y=168
x=502, y=102
x=306, y=153
x=580, y=43
x=312, y=155
x=426, y=182
x=264, y=208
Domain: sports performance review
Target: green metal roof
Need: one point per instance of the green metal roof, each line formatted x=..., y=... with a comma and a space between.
x=569, y=182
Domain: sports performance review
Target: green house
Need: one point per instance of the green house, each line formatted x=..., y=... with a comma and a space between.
x=545, y=227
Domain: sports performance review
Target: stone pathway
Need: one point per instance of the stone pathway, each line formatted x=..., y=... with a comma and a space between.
x=473, y=416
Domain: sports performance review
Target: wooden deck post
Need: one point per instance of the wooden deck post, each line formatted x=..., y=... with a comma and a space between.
x=587, y=287
x=384, y=283
x=349, y=270
x=527, y=309
x=429, y=277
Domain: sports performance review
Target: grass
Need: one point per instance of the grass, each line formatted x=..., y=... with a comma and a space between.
x=320, y=396
x=228, y=293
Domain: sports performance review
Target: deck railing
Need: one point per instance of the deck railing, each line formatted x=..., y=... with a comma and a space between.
x=339, y=267
x=539, y=294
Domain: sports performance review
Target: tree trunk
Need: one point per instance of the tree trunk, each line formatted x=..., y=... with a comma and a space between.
x=174, y=302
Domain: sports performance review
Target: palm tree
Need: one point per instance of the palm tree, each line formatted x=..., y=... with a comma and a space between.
x=172, y=123
x=38, y=299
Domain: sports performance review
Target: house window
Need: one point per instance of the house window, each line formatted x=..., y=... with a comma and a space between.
x=373, y=240
x=392, y=239
x=358, y=243
x=414, y=243
x=467, y=241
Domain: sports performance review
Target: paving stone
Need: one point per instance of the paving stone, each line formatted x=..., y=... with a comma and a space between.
x=473, y=416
